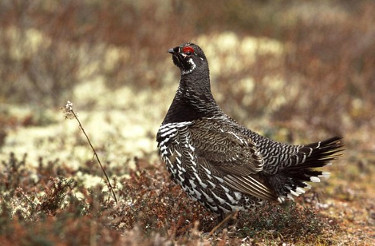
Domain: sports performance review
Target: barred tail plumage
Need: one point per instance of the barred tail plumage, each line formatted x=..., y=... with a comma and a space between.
x=292, y=179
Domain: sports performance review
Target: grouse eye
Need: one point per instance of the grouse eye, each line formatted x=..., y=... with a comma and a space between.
x=188, y=50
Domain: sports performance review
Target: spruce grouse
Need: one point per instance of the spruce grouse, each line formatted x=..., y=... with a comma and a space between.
x=222, y=164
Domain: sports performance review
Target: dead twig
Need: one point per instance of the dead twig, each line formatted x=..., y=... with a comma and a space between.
x=70, y=114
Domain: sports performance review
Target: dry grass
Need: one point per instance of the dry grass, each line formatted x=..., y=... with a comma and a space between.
x=46, y=209
x=292, y=70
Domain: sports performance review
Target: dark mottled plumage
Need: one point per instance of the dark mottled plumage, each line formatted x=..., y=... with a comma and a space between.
x=221, y=163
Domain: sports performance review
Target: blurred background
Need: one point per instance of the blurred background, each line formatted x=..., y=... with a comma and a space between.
x=295, y=71
x=306, y=66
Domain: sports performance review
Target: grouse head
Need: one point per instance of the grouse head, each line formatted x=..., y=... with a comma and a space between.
x=193, y=99
x=189, y=58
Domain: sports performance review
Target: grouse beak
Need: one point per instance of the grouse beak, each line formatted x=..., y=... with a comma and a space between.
x=171, y=51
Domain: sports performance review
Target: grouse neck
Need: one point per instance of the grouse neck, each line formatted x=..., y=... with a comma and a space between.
x=193, y=100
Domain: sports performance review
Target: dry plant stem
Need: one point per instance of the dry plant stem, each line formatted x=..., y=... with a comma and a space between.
x=96, y=155
x=225, y=220
x=26, y=197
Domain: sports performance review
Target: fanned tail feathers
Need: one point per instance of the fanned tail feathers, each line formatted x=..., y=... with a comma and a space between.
x=292, y=179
